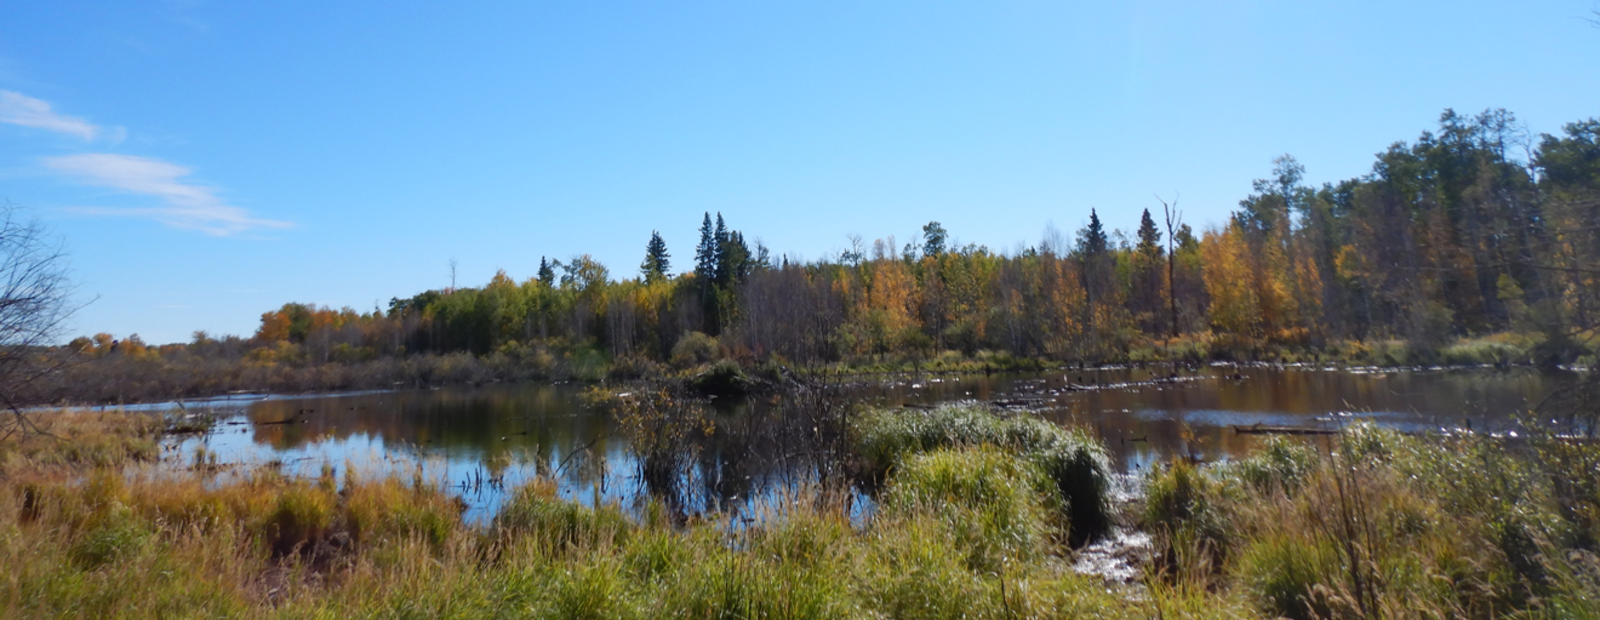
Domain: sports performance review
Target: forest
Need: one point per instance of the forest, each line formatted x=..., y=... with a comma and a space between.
x=1473, y=243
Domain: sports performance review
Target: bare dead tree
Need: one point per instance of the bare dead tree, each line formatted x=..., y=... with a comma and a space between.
x=35, y=302
x=1174, y=220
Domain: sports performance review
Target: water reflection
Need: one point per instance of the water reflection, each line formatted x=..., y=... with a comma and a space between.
x=481, y=441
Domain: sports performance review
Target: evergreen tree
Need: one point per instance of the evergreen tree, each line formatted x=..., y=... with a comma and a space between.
x=1148, y=267
x=1092, y=242
x=733, y=258
x=705, y=254
x=1092, y=246
x=719, y=239
x=656, y=259
x=547, y=272
x=1149, y=238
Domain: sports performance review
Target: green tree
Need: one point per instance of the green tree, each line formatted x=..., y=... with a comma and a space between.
x=1147, y=280
x=1092, y=240
x=1149, y=237
x=934, y=239
x=656, y=259
x=547, y=271
x=1093, y=246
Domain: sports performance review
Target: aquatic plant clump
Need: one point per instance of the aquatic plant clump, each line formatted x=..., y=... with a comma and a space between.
x=988, y=499
x=1075, y=466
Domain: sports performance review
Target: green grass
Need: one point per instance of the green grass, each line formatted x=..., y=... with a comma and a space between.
x=988, y=502
x=1074, y=465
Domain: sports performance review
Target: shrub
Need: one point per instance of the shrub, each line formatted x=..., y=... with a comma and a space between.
x=1281, y=465
x=695, y=348
x=724, y=378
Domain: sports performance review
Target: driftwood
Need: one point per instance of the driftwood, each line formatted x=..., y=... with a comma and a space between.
x=1261, y=429
x=1017, y=402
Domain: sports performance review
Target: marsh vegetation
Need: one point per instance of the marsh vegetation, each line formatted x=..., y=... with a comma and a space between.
x=977, y=513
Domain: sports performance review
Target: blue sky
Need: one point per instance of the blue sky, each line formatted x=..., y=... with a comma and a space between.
x=204, y=162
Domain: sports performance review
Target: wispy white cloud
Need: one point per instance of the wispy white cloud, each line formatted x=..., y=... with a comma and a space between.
x=19, y=109
x=189, y=206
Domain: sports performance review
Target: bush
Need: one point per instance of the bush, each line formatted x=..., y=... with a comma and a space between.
x=1281, y=465
x=725, y=378
x=693, y=349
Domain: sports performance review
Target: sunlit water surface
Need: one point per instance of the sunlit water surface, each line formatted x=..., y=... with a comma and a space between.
x=480, y=442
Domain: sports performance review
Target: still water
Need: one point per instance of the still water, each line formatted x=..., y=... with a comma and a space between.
x=481, y=441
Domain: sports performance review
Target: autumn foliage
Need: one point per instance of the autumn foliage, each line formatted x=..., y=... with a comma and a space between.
x=1448, y=237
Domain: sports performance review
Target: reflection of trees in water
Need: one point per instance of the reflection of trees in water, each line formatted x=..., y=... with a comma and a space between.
x=695, y=457
x=770, y=441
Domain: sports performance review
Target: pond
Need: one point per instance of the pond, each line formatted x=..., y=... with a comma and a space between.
x=483, y=441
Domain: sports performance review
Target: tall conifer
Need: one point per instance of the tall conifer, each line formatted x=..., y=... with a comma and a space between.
x=547, y=273
x=656, y=259
x=705, y=254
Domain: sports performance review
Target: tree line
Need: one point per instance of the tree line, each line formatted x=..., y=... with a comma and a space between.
x=1472, y=229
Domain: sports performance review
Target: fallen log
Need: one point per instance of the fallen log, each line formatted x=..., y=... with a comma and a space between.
x=1261, y=429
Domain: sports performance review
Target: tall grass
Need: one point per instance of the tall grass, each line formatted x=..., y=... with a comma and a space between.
x=1378, y=524
x=38, y=443
x=1073, y=463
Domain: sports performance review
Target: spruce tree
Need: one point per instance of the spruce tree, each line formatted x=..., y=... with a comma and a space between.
x=1149, y=237
x=1092, y=246
x=705, y=272
x=705, y=254
x=733, y=259
x=656, y=259
x=547, y=273
x=1092, y=239
x=719, y=240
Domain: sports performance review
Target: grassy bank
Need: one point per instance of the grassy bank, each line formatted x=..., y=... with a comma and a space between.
x=1378, y=524
x=974, y=520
